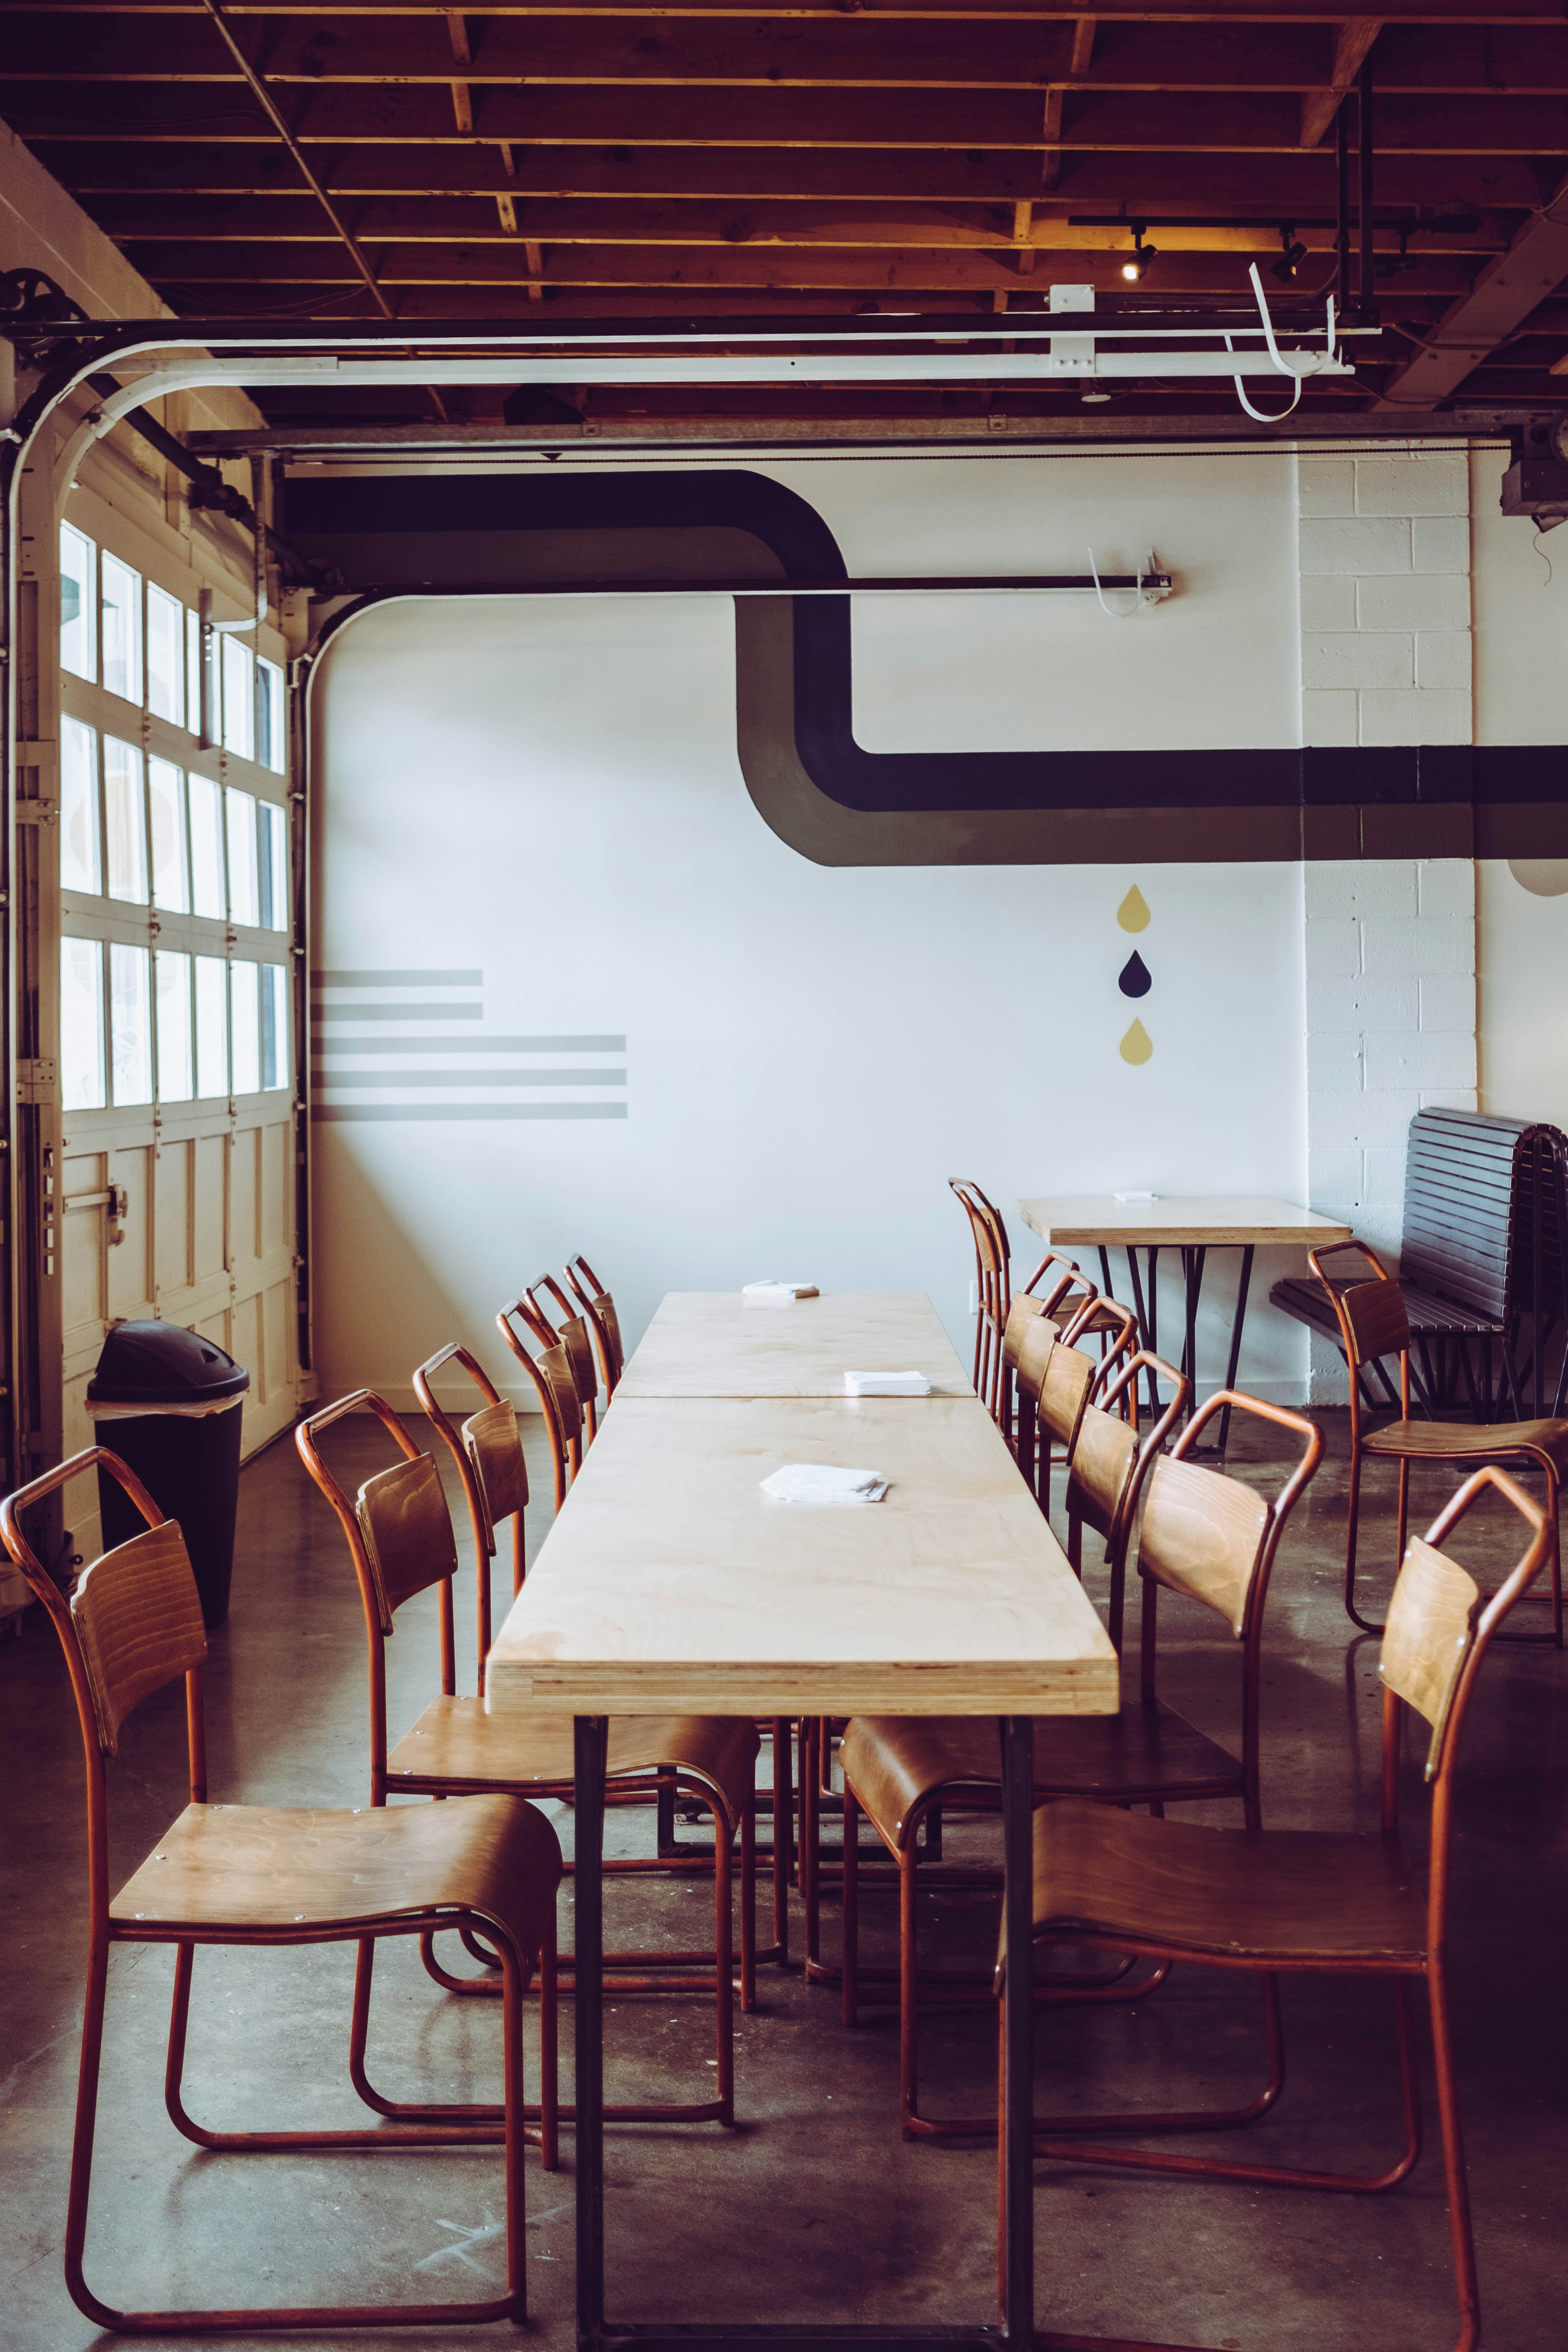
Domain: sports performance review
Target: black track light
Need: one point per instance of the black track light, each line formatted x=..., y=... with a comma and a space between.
x=1136, y=262
x=1291, y=255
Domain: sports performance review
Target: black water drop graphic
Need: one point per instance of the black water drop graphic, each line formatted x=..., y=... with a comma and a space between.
x=1133, y=978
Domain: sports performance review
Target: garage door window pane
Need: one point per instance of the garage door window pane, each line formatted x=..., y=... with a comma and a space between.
x=274, y=1026
x=209, y=896
x=238, y=699
x=81, y=863
x=193, y=673
x=122, y=628
x=81, y=1025
x=78, y=603
x=131, y=1023
x=211, y=1025
x=123, y=821
x=247, y=1048
x=175, y=1069
x=165, y=655
x=274, y=875
x=244, y=905
x=166, y=809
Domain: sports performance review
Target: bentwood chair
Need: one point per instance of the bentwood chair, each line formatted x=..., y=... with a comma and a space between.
x=994, y=1290
x=1204, y=1535
x=555, y=1323
x=1307, y=1901
x=1055, y=1380
x=1373, y=1325
x=555, y=1385
x=399, y=1534
x=600, y=1309
x=272, y=1876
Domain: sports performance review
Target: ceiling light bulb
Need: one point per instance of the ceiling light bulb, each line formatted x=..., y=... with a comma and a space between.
x=1130, y=269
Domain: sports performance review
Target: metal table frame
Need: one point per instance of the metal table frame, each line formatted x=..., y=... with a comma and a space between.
x=596, y=2333
x=1194, y=1259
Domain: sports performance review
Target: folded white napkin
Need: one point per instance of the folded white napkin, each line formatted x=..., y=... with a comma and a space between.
x=776, y=1294
x=887, y=1384
x=822, y=1482
x=1128, y=1197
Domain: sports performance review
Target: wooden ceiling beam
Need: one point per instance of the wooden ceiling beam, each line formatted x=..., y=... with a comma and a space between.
x=134, y=221
x=1484, y=15
x=1158, y=184
x=852, y=52
x=1498, y=304
x=961, y=121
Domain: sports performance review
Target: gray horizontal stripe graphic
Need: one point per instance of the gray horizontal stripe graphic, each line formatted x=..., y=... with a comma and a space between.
x=606, y=1045
x=342, y=1113
x=397, y=980
x=331, y=1076
x=338, y=1012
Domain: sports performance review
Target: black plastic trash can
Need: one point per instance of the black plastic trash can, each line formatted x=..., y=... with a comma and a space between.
x=179, y=1432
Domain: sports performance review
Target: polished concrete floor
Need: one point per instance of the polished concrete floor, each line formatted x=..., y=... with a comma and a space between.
x=812, y=2208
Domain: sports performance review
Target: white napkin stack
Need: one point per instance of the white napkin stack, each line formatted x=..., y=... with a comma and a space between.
x=1128, y=1199
x=822, y=1482
x=885, y=1385
x=776, y=1294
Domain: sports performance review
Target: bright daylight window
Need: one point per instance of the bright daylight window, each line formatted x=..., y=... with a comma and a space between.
x=121, y=605
x=274, y=869
x=171, y=865
x=269, y=747
x=78, y=603
x=208, y=893
x=176, y=1068
x=274, y=1026
x=131, y=1023
x=244, y=900
x=123, y=821
x=81, y=863
x=247, y=1048
x=81, y=1025
x=238, y=699
x=165, y=655
x=211, y=1026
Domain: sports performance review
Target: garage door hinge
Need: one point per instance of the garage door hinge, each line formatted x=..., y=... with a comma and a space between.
x=38, y=812
x=35, y=1081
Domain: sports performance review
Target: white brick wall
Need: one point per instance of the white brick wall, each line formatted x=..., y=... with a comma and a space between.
x=1386, y=599
x=1390, y=942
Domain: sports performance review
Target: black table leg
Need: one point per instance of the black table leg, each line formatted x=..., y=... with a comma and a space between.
x=1018, y=2052
x=1148, y=1324
x=591, y=1733
x=1238, y=1319
x=1193, y=1262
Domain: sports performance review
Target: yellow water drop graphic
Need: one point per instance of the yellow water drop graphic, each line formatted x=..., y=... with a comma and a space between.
x=1137, y=1046
x=1133, y=916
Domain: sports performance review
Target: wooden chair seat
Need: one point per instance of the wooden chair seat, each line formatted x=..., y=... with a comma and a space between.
x=1298, y=1897
x=898, y=1764
x=256, y=1866
x=454, y=1740
x=1471, y=1441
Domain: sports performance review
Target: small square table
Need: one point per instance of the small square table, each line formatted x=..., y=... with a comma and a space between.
x=1194, y=1227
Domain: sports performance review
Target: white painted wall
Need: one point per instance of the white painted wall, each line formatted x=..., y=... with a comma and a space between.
x=1522, y=696
x=553, y=795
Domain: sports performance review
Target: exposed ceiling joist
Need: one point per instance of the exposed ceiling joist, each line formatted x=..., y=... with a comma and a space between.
x=1502, y=298
x=1353, y=42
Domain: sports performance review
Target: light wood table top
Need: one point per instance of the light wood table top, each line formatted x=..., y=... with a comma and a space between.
x=1234, y=1222
x=671, y=1584
x=708, y=1343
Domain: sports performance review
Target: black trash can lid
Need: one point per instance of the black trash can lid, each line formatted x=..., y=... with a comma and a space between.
x=162, y=1363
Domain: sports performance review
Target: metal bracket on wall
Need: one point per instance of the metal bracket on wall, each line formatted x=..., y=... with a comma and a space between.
x=35, y=1081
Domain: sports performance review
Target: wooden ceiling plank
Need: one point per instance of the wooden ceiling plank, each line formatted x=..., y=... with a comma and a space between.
x=1485, y=15
x=964, y=121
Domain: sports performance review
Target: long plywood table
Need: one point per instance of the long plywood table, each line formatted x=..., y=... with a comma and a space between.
x=670, y=1582
x=1245, y=1222
x=710, y=1343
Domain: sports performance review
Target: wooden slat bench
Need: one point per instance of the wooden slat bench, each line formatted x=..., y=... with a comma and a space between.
x=1481, y=1261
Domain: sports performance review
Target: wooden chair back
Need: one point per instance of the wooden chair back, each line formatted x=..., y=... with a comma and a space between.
x=399, y=1534
x=1214, y=1538
x=1110, y=1461
x=131, y=1624
x=992, y=1288
x=1438, y=1631
x=556, y=1388
x=600, y=1309
x=1369, y=1310
x=558, y=1325
x=487, y=1453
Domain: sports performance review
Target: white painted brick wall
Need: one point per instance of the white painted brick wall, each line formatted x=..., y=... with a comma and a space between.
x=1384, y=553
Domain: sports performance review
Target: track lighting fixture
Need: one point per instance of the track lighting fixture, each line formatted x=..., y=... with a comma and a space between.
x=1138, y=261
x=1292, y=254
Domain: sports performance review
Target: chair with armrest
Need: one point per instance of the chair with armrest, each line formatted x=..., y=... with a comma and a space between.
x=276, y=1876
x=1373, y=1325
x=399, y=1533
x=1309, y=1902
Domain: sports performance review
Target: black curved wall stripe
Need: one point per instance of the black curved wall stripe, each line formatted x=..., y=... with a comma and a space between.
x=378, y=529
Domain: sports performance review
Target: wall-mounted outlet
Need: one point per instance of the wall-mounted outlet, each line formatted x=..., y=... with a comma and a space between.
x=973, y=1295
